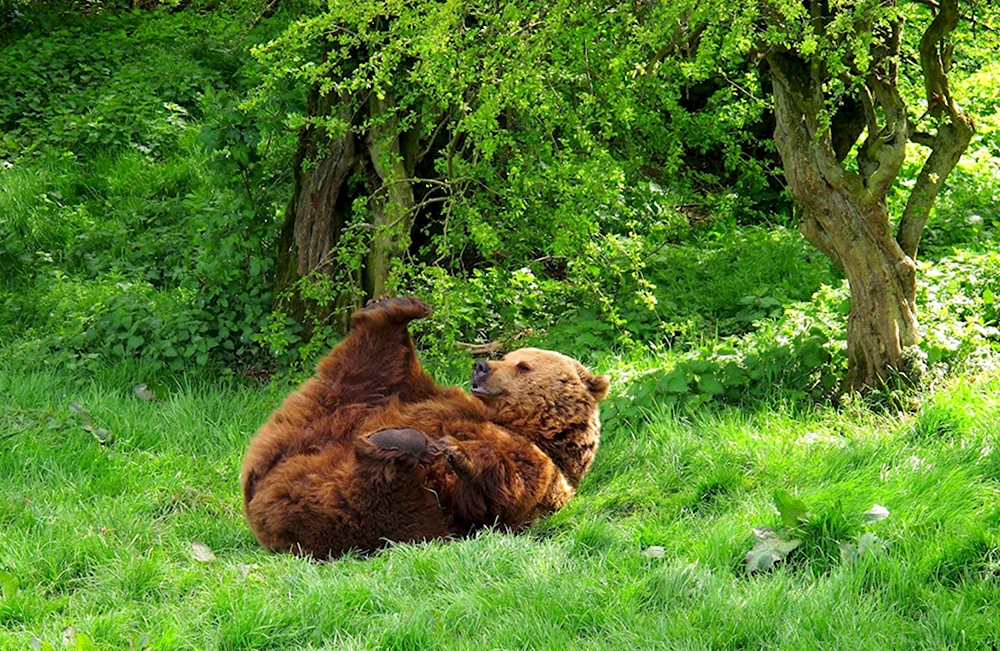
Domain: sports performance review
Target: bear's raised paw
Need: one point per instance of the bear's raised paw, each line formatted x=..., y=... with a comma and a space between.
x=397, y=310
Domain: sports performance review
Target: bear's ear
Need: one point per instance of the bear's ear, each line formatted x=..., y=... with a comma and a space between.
x=598, y=385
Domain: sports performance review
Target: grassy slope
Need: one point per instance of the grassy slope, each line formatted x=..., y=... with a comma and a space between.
x=100, y=539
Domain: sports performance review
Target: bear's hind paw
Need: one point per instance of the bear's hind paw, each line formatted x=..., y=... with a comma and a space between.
x=398, y=309
x=405, y=444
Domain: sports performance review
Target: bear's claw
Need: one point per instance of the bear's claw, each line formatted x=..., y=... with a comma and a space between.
x=457, y=459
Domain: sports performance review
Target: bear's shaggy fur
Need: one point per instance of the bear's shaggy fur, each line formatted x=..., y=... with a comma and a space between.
x=370, y=450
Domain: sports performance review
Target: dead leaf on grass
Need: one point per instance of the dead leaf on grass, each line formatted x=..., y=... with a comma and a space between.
x=245, y=569
x=151, y=391
x=876, y=513
x=201, y=553
x=654, y=551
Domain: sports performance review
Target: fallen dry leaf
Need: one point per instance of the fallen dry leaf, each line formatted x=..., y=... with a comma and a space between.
x=201, y=552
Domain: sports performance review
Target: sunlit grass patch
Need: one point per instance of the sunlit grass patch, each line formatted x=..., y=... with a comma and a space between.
x=100, y=537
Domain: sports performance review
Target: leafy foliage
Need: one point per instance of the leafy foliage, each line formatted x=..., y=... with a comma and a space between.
x=120, y=237
x=596, y=172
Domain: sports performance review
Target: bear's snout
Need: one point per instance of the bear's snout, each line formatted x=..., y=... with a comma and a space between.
x=480, y=371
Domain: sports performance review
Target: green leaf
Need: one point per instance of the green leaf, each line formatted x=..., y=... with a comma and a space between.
x=675, y=382
x=868, y=545
x=793, y=510
x=700, y=366
x=9, y=583
x=35, y=644
x=84, y=643
x=102, y=435
x=708, y=384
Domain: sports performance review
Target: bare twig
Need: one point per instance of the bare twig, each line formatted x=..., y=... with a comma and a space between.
x=480, y=349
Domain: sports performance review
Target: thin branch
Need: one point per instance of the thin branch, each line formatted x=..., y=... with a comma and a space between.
x=430, y=143
x=921, y=138
x=952, y=138
x=870, y=118
x=481, y=349
x=493, y=347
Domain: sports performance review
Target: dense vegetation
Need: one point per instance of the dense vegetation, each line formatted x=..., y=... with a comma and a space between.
x=598, y=179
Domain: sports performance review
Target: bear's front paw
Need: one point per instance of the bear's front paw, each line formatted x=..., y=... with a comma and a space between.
x=457, y=458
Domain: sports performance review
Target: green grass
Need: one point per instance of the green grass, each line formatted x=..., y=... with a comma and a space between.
x=100, y=538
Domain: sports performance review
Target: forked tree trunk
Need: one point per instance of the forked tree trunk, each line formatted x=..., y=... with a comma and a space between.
x=330, y=173
x=843, y=212
x=847, y=219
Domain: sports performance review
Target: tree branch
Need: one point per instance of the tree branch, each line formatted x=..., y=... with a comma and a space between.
x=952, y=136
x=884, y=151
x=931, y=50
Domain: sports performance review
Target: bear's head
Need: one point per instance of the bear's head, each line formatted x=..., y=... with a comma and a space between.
x=547, y=397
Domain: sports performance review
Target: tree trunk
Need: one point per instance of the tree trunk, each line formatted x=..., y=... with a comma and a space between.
x=322, y=204
x=392, y=203
x=854, y=232
x=844, y=213
x=314, y=219
x=882, y=321
x=845, y=216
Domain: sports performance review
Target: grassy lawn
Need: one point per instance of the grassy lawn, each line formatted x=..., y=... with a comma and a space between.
x=100, y=538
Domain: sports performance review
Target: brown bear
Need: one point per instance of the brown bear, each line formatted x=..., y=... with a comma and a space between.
x=370, y=450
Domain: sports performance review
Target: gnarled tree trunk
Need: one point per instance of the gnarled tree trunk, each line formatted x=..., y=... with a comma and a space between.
x=844, y=213
x=315, y=217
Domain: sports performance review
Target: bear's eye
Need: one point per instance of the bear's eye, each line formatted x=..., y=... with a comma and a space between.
x=523, y=367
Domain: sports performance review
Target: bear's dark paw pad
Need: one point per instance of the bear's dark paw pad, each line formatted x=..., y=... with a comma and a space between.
x=403, y=443
x=401, y=308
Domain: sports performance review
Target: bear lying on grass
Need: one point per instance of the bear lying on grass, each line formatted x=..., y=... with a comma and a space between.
x=370, y=450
